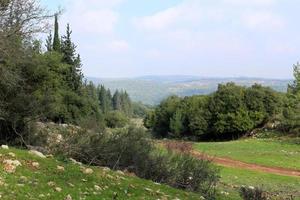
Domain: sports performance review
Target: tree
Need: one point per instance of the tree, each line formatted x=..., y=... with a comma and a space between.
x=19, y=65
x=116, y=101
x=290, y=119
x=56, y=40
x=295, y=87
x=74, y=73
x=104, y=99
x=176, y=124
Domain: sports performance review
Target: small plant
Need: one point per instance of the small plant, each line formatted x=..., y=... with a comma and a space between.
x=253, y=193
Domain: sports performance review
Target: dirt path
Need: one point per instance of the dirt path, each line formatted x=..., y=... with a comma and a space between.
x=228, y=162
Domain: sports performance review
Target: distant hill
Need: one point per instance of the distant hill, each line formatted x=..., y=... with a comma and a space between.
x=152, y=89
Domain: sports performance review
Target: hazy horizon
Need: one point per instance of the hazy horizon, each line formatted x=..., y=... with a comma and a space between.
x=186, y=75
x=216, y=38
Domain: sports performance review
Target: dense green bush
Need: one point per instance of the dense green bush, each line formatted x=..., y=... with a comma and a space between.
x=229, y=112
x=116, y=119
x=131, y=149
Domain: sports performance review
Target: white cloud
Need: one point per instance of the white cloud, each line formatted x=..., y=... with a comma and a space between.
x=263, y=21
x=186, y=13
x=92, y=16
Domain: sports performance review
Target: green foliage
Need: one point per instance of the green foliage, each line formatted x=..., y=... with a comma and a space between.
x=290, y=119
x=229, y=112
x=56, y=41
x=131, y=149
x=116, y=119
x=176, y=123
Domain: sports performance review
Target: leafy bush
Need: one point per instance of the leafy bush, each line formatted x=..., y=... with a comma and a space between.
x=251, y=193
x=131, y=149
x=116, y=119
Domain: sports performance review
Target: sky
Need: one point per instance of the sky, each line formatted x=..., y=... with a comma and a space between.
x=208, y=38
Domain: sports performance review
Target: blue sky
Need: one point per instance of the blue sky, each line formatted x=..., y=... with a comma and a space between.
x=214, y=38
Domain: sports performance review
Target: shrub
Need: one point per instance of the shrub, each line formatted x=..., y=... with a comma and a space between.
x=116, y=119
x=131, y=149
x=251, y=193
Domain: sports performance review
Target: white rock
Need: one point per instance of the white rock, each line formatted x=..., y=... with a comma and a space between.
x=97, y=187
x=120, y=172
x=88, y=171
x=58, y=189
x=12, y=162
x=68, y=197
x=37, y=153
x=4, y=147
x=60, y=168
x=75, y=162
x=35, y=164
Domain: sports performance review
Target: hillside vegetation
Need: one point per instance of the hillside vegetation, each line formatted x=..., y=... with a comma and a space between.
x=49, y=178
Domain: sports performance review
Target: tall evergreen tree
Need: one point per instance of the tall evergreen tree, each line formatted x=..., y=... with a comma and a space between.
x=117, y=101
x=74, y=74
x=56, y=40
x=295, y=87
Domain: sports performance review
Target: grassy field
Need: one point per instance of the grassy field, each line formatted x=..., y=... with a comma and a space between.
x=267, y=152
x=46, y=181
x=232, y=179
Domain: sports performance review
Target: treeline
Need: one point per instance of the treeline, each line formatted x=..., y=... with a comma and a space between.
x=47, y=83
x=230, y=112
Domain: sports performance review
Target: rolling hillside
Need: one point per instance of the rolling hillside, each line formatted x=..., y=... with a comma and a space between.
x=152, y=89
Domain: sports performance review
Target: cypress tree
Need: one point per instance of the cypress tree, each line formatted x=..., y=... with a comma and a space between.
x=56, y=40
x=74, y=74
x=117, y=101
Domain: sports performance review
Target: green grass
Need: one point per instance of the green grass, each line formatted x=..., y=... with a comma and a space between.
x=267, y=152
x=279, y=152
x=72, y=181
x=232, y=179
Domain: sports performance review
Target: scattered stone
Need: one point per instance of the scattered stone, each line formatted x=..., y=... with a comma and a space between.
x=97, y=187
x=60, y=168
x=68, y=197
x=51, y=183
x=148, y=190
x=4, y=147
x=12, y=162
x=35, y=164
x=87, y=171
x=11, y=154
x=71, y=185
x=37, y=153
x=10, y=166
x=42, y=196
x=58, y=189
x=120, y=172
x=251, y=187
x=106, y=169
x=75, y=162
x=84, y=180
x=2, y=183
x=23, y=180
